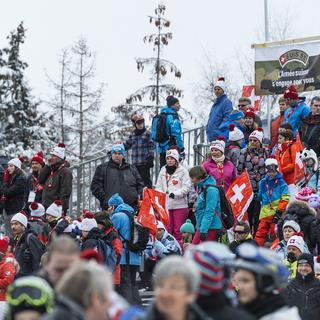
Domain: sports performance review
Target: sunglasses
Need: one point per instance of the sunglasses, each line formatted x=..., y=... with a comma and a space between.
x=241, y=105
x=253, y=140
x=239, y=232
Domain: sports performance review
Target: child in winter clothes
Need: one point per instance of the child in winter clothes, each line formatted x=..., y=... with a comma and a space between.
x=217, y=166
x=187, y=230
x=143, y=149
x=274, y=197
x=249, y=123
x=295, y=247
x=174, y=180
x=234, y=146
x=311, y=169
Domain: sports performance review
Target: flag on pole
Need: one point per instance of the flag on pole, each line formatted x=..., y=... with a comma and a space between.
x=299, y=166
x=249, y=92
x=240, y=195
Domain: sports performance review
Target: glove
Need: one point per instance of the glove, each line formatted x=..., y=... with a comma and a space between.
x=171, y=195
x=6, y=177
x=291, y=257
x=203, y=236
x=277, y=216
x=150, y=163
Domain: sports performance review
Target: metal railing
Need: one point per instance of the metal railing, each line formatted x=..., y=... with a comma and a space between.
x=81, y=198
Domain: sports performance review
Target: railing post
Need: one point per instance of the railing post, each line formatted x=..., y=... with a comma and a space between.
x=78, y=189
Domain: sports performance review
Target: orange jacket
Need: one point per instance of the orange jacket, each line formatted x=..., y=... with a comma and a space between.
x=275, y=124
x=7, y=274
x=286, y=158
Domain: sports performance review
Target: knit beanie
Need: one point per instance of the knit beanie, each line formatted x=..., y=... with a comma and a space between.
x=160, y=225
x=36, y=209
x=271, y=161
x=249, y=113
x=236, y=115
x=304, y=194
x=291, y=93
x=306, y=258
x=87, y=224
x=21, y=218
x=187, y=227
x=219, y=144
x=115, y=200
x=292, y=224
x=59, y=151
x=296, y=241
x=314, y=201
x=258, y=134
x=173, y=153
x=39, y=158
x=171, y=100
x=4, y=243
x=220, y=83
x=118, y=148
x=17, y=162
x=235, y=134
x=55, y=209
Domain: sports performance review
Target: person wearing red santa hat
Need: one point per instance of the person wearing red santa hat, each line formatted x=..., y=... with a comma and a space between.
x=56, y=178
x=34, y=188
x=298, y=108
x=249, y=123
x=14, y=185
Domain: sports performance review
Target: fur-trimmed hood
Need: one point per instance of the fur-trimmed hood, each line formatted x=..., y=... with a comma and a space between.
x=299, y=208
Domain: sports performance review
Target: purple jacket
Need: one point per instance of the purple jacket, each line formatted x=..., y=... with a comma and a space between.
x=223, y=177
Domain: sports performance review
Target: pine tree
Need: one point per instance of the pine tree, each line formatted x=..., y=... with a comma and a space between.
x=147, y=99
x=23, y=127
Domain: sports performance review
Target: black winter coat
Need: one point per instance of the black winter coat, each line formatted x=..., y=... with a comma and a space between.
x=65, y=309
x=14, y=191
x=305, y=294
x=310, y=133
x=32, y=185
x=28, y=250
x=110, y=178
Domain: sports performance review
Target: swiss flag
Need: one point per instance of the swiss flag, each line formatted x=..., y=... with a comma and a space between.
x=240, y=195
x=299, y=166
x=249, y=92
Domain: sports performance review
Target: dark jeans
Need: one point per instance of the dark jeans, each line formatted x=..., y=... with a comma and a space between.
x=146, y=275
x=128, y=285
x=253, y=214
x=144, y=172
x=162, y=159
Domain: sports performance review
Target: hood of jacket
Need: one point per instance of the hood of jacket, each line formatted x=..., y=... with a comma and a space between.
x=299, y=208
x=207, y=181
x=167, y=109
x=124, y=207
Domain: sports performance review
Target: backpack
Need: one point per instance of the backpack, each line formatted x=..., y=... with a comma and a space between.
x=227, y=217
x=139, y=235
x=159, y=127
x=105, y=248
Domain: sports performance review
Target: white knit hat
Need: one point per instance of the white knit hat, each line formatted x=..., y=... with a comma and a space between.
x=17, y=162
x=220, y=83
x=59, y=151
x=36, y=209
x=310, y=154
x=296, y=241
x=292, y=224
x=87, y=224
x=271, y=161
x=173, y=153
x=55, y=209
x=219, y=144
x=258, y=134
x=20, y=217
x=235, y=134
x=160, y=225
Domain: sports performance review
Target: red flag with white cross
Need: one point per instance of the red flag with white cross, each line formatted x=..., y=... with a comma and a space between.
x=250, y=92
x=240, y=195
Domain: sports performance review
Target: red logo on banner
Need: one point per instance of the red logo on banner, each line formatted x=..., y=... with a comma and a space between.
x=240, y=195
x=249, y=92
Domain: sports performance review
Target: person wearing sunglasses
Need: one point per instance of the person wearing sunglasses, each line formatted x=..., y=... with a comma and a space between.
x=242, y=234
x=29, y=298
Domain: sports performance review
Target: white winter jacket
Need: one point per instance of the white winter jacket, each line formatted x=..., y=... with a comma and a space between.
x=178, y=183
x=284, y=313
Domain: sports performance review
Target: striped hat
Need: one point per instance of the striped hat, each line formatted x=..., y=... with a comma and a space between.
x=210, y=258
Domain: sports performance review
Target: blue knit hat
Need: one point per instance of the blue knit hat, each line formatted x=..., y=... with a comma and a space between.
x=187, y=227
x=115, y=200
x=236, y=116
x=118, y=148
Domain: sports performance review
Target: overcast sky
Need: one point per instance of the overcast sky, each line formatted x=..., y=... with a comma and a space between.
x=115, y=28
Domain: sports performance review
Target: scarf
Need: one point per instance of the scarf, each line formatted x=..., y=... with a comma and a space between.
x=220, y=159
x=139, y=132
x=171, y=169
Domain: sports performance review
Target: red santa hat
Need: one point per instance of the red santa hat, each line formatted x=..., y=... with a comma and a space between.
x=219, y=144
x=235, y=134
x=39, y=157
x=258, y=134
x=59, y=151
x=17, y=162
x=291, y=93
x=88, y=224
x=55, y=209
x=249, y=113
x=21, y=218
x=36, y=209
x=220, y=83
x=173, y=153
